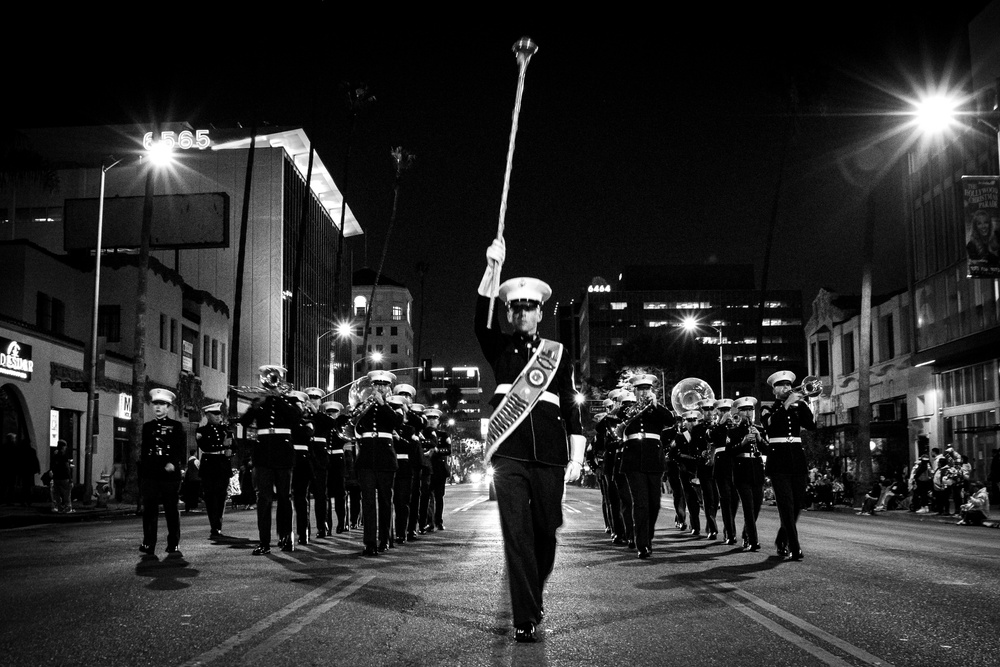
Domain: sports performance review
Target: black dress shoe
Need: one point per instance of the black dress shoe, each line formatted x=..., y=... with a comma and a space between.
x=631, y=545
x=795, y=555
x=215, y=534
x=411, y=536
x=607, y=531
x=645, y=552
x=401, y=539
x=440, y=526
x=428, y=529
x=262, y=550
x=525, y=633
x=146, y=549
x=370, y=550
x=695, y=533
x=782, y=550
x=173, y=549
x=321, y=534
x=288, y=546
x=340, y=528
x=422, y=530
x=731, y=541
x=382, y=546
x=620, y=541
x=304, y=539
x=751, y=547
x=712, y=536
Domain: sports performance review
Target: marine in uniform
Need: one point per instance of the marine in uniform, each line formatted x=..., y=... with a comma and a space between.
x=723, y=469
x=274, y=415
x=425, y=504
x=319, y=458
x=377, y=462
x=620, y=480
x=688, y=446
x=419, y=464
x=407, y=444
x=595, y=459
x=743, y=448
x=440, y=470
x=302, y=467
x=641, y=458
x=336, y=489
x=535, y=439
x=673, y=475
x=214, y=441
x=706, y=468
x=161, y=458
x=786, y=460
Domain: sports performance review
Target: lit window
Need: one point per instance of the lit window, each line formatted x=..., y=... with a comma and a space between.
x=619, y=305
x=397, y=313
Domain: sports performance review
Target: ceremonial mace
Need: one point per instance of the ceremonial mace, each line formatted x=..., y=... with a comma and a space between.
x=523, y=50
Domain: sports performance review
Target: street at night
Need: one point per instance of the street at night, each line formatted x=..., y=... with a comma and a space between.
x=886, y=590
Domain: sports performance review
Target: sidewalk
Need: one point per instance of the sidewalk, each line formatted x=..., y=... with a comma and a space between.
x=18, y=516
x=906, y=515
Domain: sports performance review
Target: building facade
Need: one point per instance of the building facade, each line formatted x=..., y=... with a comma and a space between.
x=390, y=329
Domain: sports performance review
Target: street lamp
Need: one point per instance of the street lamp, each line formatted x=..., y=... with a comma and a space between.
x=691, y=324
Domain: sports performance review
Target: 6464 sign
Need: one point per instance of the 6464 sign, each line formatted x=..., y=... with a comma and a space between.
x=184, y=139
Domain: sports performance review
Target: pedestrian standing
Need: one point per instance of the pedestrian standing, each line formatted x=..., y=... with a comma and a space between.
x=161, y=458
x=535, y=438
x=61, y=466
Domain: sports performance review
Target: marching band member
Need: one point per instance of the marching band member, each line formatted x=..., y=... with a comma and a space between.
x=672, y=467
x=214, y=440
x=439, y=470
x=302, y=468
x=419, y=520
x=274, y=415
x=723, y=469
x=336, y=490
x=641, y=458
x=786, y=460
x=406, y=442
x=595, y=459
x=620, y=480
x=535, y=438
x=745, y=441
x=377, y=462
x=418, y=465
x=706, y=468
x=688, y=445
x=161, y=458
x=319, y=459
x=606, y=432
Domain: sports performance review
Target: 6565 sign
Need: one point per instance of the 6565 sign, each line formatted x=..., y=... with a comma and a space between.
x=15, y=359
x=185, y=139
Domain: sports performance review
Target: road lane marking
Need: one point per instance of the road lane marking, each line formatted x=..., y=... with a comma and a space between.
x=727, y=594
x=244, y=636
x=571, y=510
x=472, y=503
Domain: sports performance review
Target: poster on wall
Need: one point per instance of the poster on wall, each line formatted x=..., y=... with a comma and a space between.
x=982, y=225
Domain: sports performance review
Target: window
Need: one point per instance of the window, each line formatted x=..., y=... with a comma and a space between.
x=43, y=312
x=58, y=316
x=173, y=335
x=379, y=331
x=847, y=351
x=393, y=331
x=163, y=331
x=397, y=313
x=824, y=357
x=619, y=305
x=360, y=305
x=215, y=353
x=222, y=359
x=206, y=350
x=109, y=323
x=886, y=338
x=394, y=349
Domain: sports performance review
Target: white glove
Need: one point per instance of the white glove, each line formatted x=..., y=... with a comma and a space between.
x=495, y=255
x=577, y=446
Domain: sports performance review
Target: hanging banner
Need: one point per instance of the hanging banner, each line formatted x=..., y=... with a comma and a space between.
x=982, y=225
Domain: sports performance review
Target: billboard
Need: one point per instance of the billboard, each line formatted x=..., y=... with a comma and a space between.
x=179, y=221
x=982, y=225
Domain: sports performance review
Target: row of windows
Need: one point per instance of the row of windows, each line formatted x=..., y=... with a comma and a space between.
x=973, y=384
x=213, y=353
x=377, y=347
x=50, y=314
x=819, y=350
x=794, y=322
x=396, y=313
x=691, y=305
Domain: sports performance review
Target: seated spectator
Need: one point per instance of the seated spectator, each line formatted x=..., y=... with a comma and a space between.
x=823, y=492
x=871, y=498
x=977, y=509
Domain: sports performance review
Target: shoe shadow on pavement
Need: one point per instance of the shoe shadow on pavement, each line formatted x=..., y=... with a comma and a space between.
x=169, y=574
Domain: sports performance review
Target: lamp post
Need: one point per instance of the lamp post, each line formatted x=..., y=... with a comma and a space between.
x=691, y=324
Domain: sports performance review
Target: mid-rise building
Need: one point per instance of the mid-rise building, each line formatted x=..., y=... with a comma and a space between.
x=390, y=328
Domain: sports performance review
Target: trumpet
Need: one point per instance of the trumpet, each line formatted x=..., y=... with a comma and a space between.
x=811, y=386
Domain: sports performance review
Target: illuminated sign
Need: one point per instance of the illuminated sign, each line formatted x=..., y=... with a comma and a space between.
x=53, y=428
x=186, y=139
x=125, y=406
x=15, y=359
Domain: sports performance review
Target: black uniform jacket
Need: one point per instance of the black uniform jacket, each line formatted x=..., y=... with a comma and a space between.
x=718, y=439
x=273, y=450
x=212, y=441
x=407, y=443
x=542, y=436
x=319, y=448
x=375, y=434
x=608, y=442
x=786, y=458
x=163, y=442
x=643, y=446
x=440, y=454
x=688, y=448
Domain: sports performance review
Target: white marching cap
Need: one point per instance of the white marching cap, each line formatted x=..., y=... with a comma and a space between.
x=691, y=414
x=643, y=380
x=628, y=397
x=212, y=407
x=781, y=376
x=395, y=400
x=524, y=289
x=707, y=404
x=432, y=412
x=382, y=376
x=608, y=403
x=745, y=402
x=315, y=392
x=405, y=389
x=724, y=404
x=418, y=408
x=272, y=367
x=300, y=396
x=616, y=393
x=332, y=405
x=161, y=395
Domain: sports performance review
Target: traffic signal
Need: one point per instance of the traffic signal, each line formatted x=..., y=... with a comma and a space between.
x=426, y=374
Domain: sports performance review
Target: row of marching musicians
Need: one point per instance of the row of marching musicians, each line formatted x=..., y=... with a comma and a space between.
x=712, y=458
x=307, y=446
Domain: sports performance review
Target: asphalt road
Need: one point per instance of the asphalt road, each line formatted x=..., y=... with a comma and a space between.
x=871, y=591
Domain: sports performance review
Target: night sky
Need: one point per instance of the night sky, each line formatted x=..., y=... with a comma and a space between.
x=643, y=139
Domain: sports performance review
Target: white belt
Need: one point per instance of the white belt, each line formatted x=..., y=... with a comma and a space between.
x=402, y=456
x=204, y=453
x=746, y=456
x=336, y=451
x=546, y=395
x=301, y=448
x=639, y=436
x=719, y=449
x=780, y=439
x=374, y=434
x=317, y=438
x=274, y=431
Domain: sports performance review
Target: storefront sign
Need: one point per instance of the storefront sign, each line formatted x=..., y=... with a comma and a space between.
x=15, y=359
x=53, y=428
x=125, y=406
x=185, y=140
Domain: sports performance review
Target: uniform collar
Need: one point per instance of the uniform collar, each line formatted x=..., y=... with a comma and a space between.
x=526, y=338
